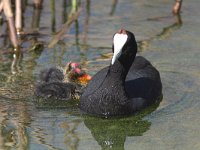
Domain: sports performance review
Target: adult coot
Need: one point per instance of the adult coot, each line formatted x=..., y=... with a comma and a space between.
x=127, y=85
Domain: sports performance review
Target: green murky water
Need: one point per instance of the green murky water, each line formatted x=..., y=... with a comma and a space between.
x=170, y=42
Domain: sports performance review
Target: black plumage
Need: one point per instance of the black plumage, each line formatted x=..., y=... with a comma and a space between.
x=51, y=85
x=129, y=84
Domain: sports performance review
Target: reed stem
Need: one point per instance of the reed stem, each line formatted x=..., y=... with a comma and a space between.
x=9, y=15
x=18, y=17
x=1, y=6
x=177, y=7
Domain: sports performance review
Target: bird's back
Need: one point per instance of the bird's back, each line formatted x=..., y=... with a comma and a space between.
x=143, y=81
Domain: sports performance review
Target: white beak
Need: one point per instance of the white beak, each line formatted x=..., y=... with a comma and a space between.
x=118, y=41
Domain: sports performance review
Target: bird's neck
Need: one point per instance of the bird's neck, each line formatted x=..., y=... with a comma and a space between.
x=118, y=71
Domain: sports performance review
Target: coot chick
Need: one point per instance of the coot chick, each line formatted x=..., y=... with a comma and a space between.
x=61, y=83
x=126, y=86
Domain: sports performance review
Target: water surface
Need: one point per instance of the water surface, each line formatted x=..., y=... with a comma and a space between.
x=170, y=42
